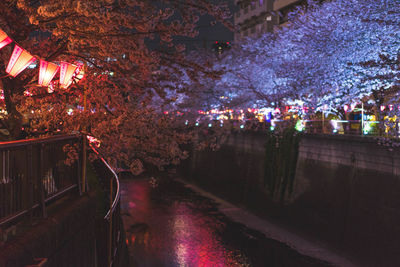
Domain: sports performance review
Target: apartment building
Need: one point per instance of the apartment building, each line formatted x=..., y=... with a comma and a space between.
x=255, y=17
x=282, y=8
x=252, y=18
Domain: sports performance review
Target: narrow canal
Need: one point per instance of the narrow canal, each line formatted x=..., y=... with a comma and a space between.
x=169, y=224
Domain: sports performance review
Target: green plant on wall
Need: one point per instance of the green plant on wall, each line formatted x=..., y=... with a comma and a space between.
x=280, y=161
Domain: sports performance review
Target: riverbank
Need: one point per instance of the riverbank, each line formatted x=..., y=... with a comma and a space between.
x=272, y=230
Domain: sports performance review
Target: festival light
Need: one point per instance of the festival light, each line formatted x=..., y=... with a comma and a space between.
x=367, y=127
x=4, y=39
x=300, y=125
x=67, y=71
x=20, y=59
x=92, y=140
x=47, y=72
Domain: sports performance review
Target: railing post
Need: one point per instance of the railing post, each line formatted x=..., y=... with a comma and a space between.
x=29, y=180
x=41, y=185
x=78, y=170
x=84, y=138
x=110, y=225
x=83, y=168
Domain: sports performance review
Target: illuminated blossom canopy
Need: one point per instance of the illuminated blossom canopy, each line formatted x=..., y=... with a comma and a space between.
x=323, y=56
x=124, y=45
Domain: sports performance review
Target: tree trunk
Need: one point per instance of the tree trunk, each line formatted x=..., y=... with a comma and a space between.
x=13, y=121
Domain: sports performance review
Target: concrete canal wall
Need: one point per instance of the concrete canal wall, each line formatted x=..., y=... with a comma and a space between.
x=346, y=190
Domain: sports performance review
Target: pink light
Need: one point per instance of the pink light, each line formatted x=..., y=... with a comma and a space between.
x=47, y=72
x=50, y=88
x=383, y=108
x=27, y=93
x=4, y=39
x=20, y=59
x=67, y=71
x=92, y=140
x=346, y=108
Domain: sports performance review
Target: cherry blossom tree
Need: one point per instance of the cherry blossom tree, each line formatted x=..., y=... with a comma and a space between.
x=317, y=57
x=335, y=36
x=130, y=53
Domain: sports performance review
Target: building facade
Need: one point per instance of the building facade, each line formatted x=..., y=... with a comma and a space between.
x=255, y=17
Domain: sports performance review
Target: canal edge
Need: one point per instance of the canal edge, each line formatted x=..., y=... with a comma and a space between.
x=273, y=231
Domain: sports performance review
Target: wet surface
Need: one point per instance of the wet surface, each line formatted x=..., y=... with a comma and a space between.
x=171, y=225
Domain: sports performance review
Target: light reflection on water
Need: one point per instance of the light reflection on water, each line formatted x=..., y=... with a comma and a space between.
x=197, y=244
x=171, y=225
x=168, y=232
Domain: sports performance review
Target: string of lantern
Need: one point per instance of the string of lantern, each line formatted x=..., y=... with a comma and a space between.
x=20, y=59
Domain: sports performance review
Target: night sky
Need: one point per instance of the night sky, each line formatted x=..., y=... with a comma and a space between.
x=208, y=33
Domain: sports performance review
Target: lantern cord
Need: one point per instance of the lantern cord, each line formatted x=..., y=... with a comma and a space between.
x=5, y=76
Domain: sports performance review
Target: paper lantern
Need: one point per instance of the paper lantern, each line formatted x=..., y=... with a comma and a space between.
x=4, y=39
x=47, y=72
x=20, y=59
x=67, y=71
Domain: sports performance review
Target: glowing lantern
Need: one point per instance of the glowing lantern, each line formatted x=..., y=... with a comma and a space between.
x=47, y=72
x=4, y=39
x=20, y=59
x=383, y=108
x=67, y=71
x=50, y=89
x=346, y=108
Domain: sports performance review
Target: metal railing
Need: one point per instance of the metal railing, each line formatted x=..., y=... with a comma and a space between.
x=112, y=220
x=344, y=127
x=347, y=127
x=33, y=173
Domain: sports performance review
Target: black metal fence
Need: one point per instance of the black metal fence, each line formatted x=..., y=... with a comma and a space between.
x=111, y=228
x=33, y=173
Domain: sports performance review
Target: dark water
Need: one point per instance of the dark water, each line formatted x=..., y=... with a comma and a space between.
x=171, y=225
